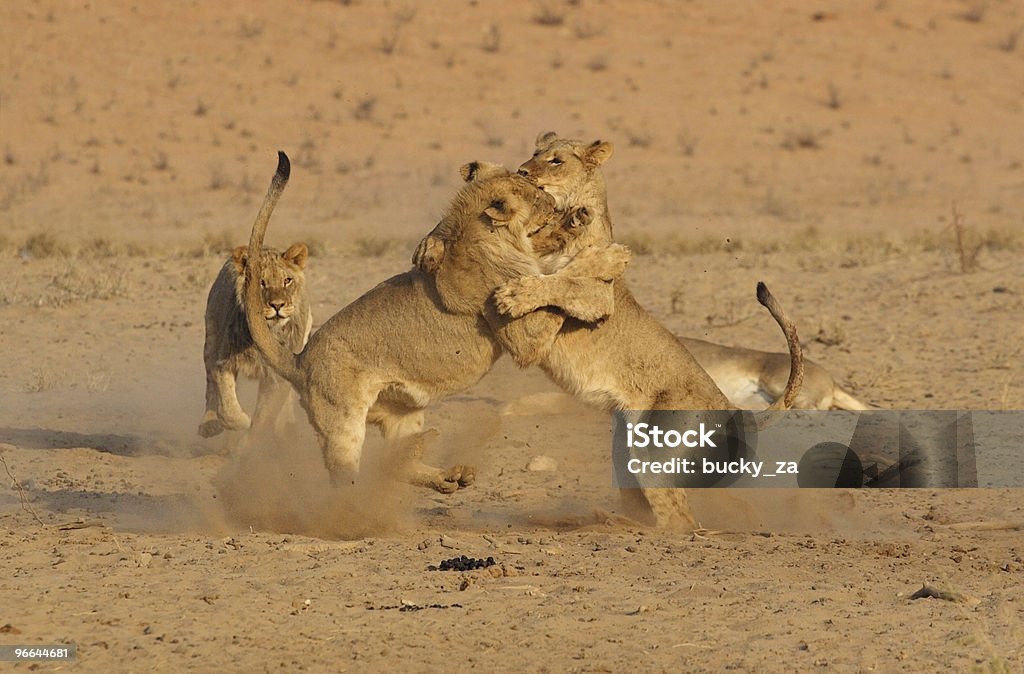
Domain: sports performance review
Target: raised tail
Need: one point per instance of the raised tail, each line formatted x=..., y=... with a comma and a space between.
x=796, y=354
x=280, y=358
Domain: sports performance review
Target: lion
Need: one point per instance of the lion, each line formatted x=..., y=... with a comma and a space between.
x=626, y=362
x=569, y=171
x=229, y=349
x=414, y=338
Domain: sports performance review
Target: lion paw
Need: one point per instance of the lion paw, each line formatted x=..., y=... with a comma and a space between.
x=455, y=478
x=519, y=296
x=429, y=254
x=211, y=427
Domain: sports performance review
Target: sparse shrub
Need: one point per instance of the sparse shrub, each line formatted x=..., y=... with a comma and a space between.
x=40, y=380
x=584, y=30
x=975, y=13
x=492, y=137
x=220, y=243
x=97, y=382
x=306, y=157
x=830, y=335
x=389, y=42
x=598, y=64
x=966, y=246
x=218, y=179
x=802, y=139
x=639, y=138
x=93, y=283
x=250, y=28
x=492, y=39
x=365, y=109
x=372, y=246
x=44, y=244
x=833, y=101
x=548, y=15
x=1009, y=43
x=687, y=143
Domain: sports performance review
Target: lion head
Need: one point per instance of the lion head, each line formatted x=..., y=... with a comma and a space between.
x=484, y=237
x=282, y=284
x=565, y=168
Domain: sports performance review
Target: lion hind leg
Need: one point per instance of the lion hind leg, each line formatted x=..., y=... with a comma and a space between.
x=341, y=428
x=274, y=409
x=405, y=428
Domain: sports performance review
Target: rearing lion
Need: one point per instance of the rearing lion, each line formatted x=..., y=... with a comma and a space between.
x=415, y=338
x=626, y=362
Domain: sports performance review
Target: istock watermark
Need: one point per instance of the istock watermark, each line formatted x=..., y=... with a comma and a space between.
x=819, y=449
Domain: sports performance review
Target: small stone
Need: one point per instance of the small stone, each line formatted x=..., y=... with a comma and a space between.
x=542, y=464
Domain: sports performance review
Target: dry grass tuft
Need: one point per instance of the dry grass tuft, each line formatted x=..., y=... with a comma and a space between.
x=802, y=139
x=372, y=246
x=40, y=380
x=547, y=14
x=218, y=244
x=44, y=245
x=967, y=251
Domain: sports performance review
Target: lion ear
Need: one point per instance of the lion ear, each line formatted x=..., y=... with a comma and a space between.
x=239, y=258
x=545, y=137
x=481, y=170
x=297, y=254
x=597, y=153
x=499, y=211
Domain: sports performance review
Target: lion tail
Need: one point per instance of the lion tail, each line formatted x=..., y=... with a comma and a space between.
x=796, y=354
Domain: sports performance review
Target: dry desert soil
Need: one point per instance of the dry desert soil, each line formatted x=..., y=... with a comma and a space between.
x=820, y=146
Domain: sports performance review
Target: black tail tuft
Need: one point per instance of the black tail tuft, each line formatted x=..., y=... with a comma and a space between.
x=284, y=167
x=763, y=294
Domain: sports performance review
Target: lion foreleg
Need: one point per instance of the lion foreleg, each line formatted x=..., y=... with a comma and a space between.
x=222, y=408
x=582, y=289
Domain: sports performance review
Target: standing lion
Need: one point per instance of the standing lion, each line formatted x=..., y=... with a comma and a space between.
x=229, y=348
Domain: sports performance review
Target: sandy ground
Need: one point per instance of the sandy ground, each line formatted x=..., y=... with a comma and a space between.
x=818, y=146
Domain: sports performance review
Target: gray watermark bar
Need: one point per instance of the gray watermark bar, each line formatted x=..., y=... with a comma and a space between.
x=903, y=449
x=37, y=652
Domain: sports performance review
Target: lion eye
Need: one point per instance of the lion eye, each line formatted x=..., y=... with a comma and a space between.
x=555, y=161
x=288, y=281
x=263, y=283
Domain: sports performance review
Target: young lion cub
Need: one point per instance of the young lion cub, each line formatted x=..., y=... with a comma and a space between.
x=229, y=349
